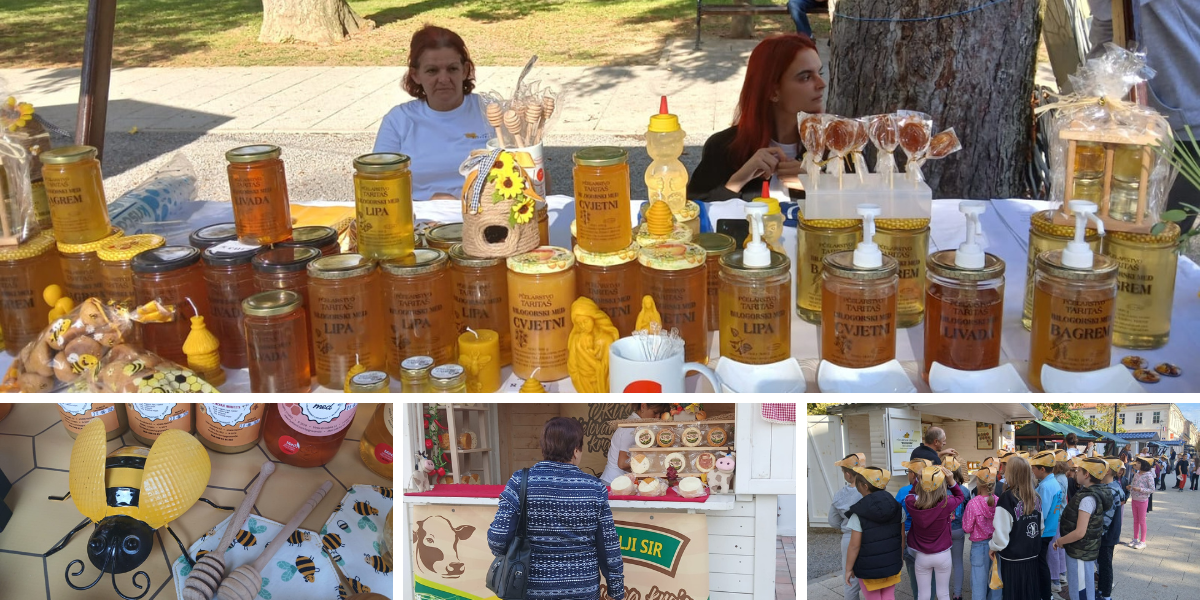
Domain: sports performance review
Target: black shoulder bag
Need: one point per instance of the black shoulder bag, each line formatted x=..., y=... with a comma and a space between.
x=508, y=574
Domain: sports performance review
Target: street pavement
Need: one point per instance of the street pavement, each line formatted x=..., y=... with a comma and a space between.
x=1167, y=569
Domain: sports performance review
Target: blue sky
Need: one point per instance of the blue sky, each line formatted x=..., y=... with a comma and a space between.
x=1191, y=412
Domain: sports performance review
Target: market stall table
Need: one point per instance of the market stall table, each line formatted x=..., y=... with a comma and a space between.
x=35, y=453
x=1006, y=234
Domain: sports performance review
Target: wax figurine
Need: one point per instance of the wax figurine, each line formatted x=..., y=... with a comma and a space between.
x=587, y=347
x=648, y=315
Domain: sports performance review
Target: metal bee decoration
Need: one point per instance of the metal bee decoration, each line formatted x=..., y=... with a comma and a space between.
x=129, y=495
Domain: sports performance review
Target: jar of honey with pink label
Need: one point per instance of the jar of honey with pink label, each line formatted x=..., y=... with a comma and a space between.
x=307, y=434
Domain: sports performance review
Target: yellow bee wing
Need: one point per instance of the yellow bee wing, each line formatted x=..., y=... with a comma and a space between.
x=87, y=470
x=175, y=475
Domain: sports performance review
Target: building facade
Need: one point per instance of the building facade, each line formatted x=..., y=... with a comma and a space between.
x=1163, y=419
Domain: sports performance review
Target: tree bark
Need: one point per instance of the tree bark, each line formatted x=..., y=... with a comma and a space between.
x=972, y=72
x=741, y=27
x=313, y=21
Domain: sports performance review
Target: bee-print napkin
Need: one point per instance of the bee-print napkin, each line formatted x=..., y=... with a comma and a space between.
x=299, y=570
x=351, y=536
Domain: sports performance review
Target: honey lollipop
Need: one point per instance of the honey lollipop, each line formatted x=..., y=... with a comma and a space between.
x=944, y=144
x=914, y=132
x=839, y=139
x=860, y=145
x=495, y=117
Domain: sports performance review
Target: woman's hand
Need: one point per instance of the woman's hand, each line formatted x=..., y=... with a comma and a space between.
x=788, y=171
x=761, y=164
x=849, y=576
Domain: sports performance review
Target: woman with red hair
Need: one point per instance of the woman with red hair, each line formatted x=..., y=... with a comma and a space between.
x=782, y=79
x=440, y=128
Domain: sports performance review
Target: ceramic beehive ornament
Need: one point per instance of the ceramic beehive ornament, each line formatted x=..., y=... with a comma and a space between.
x=129, y=494
x=201, y=350
x=499, y=205
x=246, y=581
x=208, y=572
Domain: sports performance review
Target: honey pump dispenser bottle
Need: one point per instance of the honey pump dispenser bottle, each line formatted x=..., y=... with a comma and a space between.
x=772, y=221
x=858, y=302
x=1074, y=297
x=666, y=177
x=964, y=302
x=755, y=292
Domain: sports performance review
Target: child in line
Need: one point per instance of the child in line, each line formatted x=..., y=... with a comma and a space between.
x=842, y=501
x=913, y=471
x=1112, y=523
x=1082, y=526
x=1018, y=531
x=1141, y=489
x=873, y=557
x=977, y=523
x=993, y=463
x=956, y=529
x=931, y=512
x=1058, y=557
x=1053, y=498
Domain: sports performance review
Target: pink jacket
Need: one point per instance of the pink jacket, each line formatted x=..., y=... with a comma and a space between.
x=1142, y=486
x=977, y=519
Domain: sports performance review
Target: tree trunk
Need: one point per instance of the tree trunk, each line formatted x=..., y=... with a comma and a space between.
x=972, y=72
x=741, y=27
x=312, y=21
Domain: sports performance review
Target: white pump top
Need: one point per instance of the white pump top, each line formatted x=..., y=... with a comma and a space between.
x=756, y=254
x=867, y=254
x=1078, y=254
x=970, y=253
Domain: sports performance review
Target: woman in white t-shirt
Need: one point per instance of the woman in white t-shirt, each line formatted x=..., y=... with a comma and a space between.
x=622, y=441
x=445, y=123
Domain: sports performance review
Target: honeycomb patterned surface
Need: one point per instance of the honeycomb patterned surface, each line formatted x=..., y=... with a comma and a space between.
x=35, y=455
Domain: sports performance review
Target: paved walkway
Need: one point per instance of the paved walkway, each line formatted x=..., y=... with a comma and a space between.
x=1167, y=569
x=785, y=568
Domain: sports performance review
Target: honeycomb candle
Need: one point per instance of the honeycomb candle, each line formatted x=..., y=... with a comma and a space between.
x=858, y=302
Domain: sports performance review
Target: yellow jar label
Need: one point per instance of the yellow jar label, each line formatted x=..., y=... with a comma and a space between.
x=384, y=211
x=78, y=209
x=1145, y=290
x=813, y=248
x=756, y=325
x=909, y=250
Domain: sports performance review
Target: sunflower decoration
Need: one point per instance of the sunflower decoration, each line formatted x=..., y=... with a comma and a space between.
x=504, y=165
x=15, y=115
x=522, y=211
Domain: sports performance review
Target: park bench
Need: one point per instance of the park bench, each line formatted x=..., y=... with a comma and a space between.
x=747, y=9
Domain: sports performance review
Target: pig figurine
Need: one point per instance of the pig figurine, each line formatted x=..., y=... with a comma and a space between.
x=721, y=482
x=420, y=477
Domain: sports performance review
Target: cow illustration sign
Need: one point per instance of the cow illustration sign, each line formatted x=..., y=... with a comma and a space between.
x=665, y=554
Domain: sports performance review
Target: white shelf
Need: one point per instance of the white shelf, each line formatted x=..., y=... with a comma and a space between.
x=474, y=450
x=681, y=448
x=679, y=423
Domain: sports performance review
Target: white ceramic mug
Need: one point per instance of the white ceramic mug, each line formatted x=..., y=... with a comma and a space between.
x=630, y=372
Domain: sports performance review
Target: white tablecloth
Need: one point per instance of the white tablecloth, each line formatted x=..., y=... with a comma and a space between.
x=1006, y=233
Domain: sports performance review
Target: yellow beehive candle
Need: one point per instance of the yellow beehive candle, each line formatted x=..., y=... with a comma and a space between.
x=532, y=386
x=201, y=350
x=479, y=354
x=659, y=220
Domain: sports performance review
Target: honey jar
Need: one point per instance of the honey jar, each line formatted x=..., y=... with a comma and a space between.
x=1045, y=235
x=448, y=379
x=81, y=271
x=320, y=237
x=76, y=415
x=287, y=269
x=383, y=205
x=816, y=239
x=715, y=246
x=613, y=281
x=676, y=276
x=347, y=317
x=307, y=434
x=419, y=307
x=276, y=333
x=230, y=279
x=26, y=270
x=211, y=235
x=414, y=374
x=602, y=212
x=75, y=191
x=756, y=319
x=230, y=428
x=147, y=421
x=480, y=290
x=444, y=236
x=541, y=288
x=115, y=256
x=1145, y=286
x=907, y=241
x=258, y=190
x=172, y=275
x=376, y=446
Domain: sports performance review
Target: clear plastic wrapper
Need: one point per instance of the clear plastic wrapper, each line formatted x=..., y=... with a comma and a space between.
x=884, y=133
x=157, y=201
x=914, y=130
x=88, y=350
x=18, y=219
x=861, y=138
x=840, y=135
x=1107, y=149
x=520, y=121
x=812, y=135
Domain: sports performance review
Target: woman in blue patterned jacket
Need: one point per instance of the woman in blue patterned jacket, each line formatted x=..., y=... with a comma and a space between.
x=570, y=524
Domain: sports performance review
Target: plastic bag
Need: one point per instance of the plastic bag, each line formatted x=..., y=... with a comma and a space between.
x=18, y=219
x=1108, y=143
x=995, y=583
x=156, y=201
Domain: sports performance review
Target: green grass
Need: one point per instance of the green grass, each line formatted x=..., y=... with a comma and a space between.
x=49, y=33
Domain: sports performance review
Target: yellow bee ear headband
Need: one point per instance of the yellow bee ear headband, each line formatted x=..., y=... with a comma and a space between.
x=932, y=478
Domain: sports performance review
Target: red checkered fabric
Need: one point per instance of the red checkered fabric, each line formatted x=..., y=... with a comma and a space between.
x=783, y=412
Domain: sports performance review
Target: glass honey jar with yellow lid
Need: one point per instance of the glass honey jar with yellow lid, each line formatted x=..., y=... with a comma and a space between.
x=541, y=288
x=383, y=205
x=276, y=339
x=26, y=270
x=347, y=317
x=715, y=246
x=75, y=192
x=613, y=281
x=1147, y=264
x=321, y=237
x=115, y=256
x=259, y=194
x=419, y=307
x=444, y=236
x=816, y=239
x=480, y=290
x=675, y=275
x=602, y=211
x=81, y=268
x=907, y=241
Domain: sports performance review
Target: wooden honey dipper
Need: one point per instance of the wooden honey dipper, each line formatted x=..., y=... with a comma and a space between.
x=533, y=114
x=495, y=117
x=245, y=582
x=202, y=582
x=514, y=124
